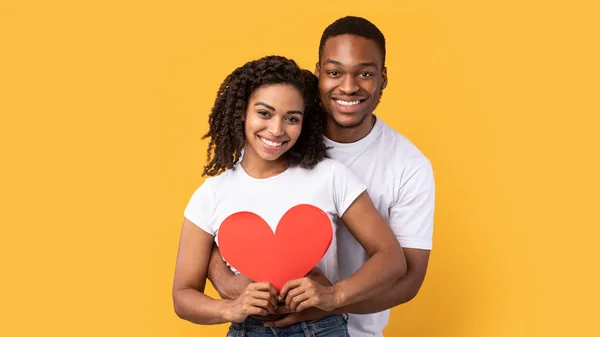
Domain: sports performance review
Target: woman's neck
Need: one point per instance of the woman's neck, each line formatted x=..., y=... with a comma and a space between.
x=259, y=168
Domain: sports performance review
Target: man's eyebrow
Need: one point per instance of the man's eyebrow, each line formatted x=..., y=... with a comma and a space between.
x=265, y=105
x=338, y=63
x=363, y=64
x=369, y=64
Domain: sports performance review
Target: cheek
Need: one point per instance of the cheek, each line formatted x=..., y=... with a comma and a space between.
x=252, y=125
x=325, y=86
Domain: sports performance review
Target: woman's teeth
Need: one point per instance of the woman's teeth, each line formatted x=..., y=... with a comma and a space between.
x=347, y=103
x=270, y=143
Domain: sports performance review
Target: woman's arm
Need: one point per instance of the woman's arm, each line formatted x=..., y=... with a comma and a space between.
x=192, y=304
x=385, y=266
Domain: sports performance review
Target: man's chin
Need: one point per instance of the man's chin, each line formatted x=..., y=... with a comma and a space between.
x=348, y=122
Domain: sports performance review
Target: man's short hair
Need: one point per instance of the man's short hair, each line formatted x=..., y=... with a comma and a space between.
x=353, y=25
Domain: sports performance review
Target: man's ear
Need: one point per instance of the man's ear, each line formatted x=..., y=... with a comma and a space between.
x=317, y=69
x=384, y=76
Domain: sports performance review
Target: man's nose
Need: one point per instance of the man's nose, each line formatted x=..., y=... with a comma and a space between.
x=349, y=85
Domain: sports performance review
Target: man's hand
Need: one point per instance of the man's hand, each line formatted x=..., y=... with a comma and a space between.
x=306, y=315
x=257, y=299
x=305, y=293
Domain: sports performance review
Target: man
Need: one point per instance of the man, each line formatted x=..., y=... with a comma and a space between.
x=352, y=75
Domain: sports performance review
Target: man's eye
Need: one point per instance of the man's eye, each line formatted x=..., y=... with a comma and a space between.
x=366, y=74
x=334, y=73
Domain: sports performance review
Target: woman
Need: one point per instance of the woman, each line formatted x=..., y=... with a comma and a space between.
x=269, y=110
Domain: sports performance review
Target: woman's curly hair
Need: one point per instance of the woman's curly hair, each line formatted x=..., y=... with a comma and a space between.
x=226, y=128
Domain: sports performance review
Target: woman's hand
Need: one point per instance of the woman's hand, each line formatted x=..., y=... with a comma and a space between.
x=258, y=299
x=306, y=293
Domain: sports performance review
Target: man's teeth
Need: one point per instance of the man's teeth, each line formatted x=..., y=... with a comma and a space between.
x=270, y=143
x=346, y=103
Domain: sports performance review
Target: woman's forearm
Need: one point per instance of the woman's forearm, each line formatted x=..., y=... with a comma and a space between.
x=196, y=307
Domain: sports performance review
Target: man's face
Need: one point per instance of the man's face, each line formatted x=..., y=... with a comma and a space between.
x=351, y=77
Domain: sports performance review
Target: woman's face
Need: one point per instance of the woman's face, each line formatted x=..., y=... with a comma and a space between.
x=273, y=120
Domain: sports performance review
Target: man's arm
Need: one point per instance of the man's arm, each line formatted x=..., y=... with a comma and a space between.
x=411, y=219
x=228, y=285
x=404, y=290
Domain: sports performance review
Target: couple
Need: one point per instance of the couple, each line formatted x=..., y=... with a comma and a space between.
x=375, y=186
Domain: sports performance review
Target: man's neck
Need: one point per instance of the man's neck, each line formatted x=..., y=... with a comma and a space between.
x=340, y=134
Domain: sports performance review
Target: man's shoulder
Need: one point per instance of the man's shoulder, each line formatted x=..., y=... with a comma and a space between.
x=397, y=148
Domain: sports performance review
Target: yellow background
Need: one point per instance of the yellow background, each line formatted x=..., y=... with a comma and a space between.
x=104, y=102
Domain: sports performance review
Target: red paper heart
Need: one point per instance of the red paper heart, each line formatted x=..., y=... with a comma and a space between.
x=300, y=241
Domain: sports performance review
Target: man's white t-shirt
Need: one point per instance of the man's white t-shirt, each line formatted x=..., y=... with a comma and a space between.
x=400, y=182
x=329, y=186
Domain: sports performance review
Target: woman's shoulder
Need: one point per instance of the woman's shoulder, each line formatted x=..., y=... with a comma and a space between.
x=213, y=182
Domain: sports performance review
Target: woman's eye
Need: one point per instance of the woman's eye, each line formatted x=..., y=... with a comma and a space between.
x=263, y=113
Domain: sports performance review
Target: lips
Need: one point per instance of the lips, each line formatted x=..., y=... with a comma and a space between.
x=348, y=105
x=272, y=144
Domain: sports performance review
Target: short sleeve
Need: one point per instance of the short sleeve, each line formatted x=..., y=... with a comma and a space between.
x=199, y=208
x=411, y=215
x=346, y=187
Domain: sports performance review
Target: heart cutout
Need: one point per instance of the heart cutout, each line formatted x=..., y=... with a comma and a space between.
x=302, y=238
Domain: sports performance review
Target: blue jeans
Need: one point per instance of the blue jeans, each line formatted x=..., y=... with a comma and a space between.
x=330, y=326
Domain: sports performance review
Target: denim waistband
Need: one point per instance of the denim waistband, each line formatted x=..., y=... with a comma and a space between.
x=252, y=324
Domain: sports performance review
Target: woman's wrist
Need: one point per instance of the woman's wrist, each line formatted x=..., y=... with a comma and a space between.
x=225, y=310
x=339, y=296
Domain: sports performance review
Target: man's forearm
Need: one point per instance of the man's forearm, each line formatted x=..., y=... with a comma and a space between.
x=404, y=290
x=227, y=284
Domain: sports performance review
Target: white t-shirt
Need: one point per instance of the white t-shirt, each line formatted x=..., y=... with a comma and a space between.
x=329, y=186
x=400, y=182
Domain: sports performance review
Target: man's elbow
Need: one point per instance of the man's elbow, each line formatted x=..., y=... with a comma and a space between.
x=400, y=261
x=410, y=296
x=402, y=269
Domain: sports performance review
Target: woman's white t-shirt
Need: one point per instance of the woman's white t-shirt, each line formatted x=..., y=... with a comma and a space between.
x=329, y=186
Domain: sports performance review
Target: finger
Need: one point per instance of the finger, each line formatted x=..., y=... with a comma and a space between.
x=309, y=303
x=282, y=310
x=299, y=299
x=256, y=311
x=261, y=304
x=263, y=286
x=289, y=285
x=265, y=295
x=293, y=293
x=272, y=290
x=284, y=322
